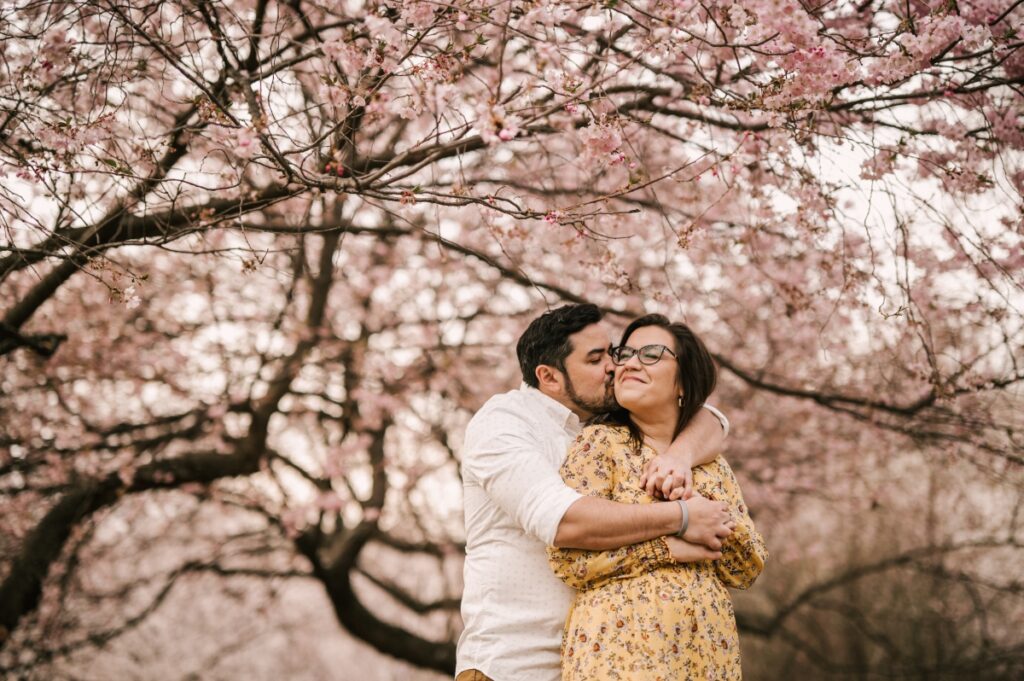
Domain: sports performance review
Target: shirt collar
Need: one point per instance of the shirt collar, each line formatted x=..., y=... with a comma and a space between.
x=561, y=414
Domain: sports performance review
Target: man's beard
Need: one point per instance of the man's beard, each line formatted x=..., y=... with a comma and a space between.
x=602, y=405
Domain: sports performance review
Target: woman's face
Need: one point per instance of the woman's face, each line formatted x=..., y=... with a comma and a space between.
x=645, y=387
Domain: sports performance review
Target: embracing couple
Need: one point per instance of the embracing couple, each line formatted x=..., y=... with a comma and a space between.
x=603, y=526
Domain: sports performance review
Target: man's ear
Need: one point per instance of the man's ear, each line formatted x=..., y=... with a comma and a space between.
x=549, y=379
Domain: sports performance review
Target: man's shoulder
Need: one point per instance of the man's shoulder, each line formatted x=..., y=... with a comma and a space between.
x=509, y=401
x=507, y=412
x=507, y=421
x=516, y=396
x=515, y=404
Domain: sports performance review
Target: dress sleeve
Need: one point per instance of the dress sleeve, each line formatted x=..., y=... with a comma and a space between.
x=744, y=553
x=589, y=468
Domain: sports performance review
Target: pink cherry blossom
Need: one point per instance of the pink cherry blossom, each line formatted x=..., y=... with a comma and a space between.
x=341, y=216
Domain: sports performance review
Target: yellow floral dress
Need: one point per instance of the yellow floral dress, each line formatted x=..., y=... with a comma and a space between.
x=637, y=615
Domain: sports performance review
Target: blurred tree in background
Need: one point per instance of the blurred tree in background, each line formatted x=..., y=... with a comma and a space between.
x=259, y=263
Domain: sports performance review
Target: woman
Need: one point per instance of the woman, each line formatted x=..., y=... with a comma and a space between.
x=668, y=620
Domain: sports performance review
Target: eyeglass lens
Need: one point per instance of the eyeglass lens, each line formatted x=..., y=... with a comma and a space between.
x=648, y=354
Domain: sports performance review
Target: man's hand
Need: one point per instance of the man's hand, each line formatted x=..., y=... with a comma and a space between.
x=709, y=522
x=669, y=475
x=685, y=552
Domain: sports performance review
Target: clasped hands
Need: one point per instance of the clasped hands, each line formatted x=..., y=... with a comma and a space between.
x=671, y=478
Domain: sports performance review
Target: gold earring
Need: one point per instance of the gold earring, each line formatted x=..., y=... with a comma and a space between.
x=680, y=400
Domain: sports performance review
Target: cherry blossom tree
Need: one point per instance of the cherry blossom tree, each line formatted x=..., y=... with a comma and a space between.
x=260, y=261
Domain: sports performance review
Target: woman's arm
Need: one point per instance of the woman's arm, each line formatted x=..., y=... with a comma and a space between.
x=744, y=552
x=583, y=569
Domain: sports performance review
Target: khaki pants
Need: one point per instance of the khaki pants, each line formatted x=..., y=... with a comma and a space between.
x=471, y=675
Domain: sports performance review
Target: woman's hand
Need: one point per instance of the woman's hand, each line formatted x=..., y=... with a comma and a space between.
x=684, y=552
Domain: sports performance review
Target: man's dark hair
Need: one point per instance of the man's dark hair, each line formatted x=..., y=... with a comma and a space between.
x=546, y=339
x=696, y=374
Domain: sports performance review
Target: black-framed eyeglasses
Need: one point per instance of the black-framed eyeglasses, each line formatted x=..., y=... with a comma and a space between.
x=648, y=354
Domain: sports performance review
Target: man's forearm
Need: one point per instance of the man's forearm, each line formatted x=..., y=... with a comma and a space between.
x=600, y=524
x=703, y=438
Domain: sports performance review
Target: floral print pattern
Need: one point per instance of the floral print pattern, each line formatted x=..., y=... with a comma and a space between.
x=638, y=616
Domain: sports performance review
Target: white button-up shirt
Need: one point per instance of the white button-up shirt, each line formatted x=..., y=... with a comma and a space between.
x=513, y=605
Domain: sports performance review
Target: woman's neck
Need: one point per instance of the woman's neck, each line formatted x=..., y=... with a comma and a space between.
x=658, y=428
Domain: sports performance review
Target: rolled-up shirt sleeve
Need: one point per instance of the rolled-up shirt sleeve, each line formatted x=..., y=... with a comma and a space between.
x=720, y=416
x=502, y=454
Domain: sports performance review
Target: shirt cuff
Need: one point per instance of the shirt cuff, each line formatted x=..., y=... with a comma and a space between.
x=720, y=416
x=567, y=497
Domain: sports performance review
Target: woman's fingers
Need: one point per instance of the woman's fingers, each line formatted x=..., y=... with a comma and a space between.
x=686, y=552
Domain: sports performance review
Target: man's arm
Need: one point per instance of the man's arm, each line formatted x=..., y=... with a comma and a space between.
x=595, y=523
x=596, y=527
x=670, y=474
x=503, y=455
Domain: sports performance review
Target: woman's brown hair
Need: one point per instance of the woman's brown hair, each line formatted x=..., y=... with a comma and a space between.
x=696, y=374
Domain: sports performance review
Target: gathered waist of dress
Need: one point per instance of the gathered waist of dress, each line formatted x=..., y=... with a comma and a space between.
x=681, y=577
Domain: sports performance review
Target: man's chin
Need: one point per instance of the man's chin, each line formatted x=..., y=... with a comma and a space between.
x=600, y=405
x=595, y=407
x=608, y=405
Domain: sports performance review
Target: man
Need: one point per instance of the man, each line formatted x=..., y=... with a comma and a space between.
x=516, y=503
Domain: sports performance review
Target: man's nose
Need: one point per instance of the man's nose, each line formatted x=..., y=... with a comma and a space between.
x=609, y=365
